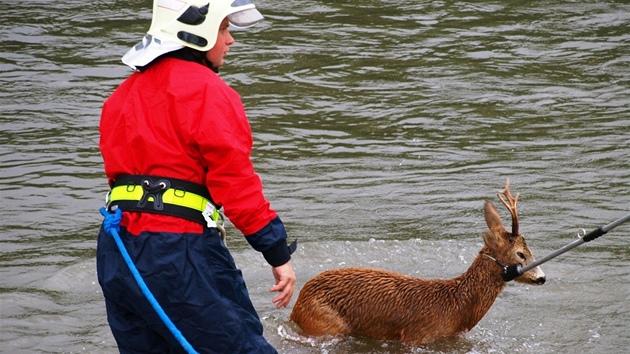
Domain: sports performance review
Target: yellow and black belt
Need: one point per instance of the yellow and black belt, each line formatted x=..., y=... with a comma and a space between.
x=164, y=195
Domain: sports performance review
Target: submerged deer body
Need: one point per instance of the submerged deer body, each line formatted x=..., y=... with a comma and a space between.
x=391, y=306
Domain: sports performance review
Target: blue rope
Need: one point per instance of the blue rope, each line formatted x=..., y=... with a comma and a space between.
x=111, y=224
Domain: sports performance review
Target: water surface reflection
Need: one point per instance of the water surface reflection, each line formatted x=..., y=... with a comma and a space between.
x=380, y=127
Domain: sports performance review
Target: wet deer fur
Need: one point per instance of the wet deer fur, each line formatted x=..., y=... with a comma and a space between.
x=386, y=305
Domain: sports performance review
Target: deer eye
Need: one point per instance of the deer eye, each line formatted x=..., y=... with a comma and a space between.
x=520, y=254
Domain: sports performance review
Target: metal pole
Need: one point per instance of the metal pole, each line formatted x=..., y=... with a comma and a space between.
x=616, y=223
x=516, y=270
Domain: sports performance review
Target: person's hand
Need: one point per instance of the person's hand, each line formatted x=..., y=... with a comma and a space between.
x=285, y=284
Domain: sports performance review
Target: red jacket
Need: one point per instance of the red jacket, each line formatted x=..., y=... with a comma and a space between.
x=179, y=119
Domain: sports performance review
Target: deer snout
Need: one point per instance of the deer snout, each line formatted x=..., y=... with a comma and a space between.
x=538, y=277
x=533, y=276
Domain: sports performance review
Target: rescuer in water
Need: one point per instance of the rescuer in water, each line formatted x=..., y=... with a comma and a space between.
x=176, y=146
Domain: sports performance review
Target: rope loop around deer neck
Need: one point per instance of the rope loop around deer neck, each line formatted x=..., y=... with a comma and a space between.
x=495, y=260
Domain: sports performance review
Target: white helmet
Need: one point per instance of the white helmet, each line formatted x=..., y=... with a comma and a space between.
x=195, y=23
x=189, y=23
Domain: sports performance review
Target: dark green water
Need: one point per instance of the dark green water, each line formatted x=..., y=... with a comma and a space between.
x=380, y=128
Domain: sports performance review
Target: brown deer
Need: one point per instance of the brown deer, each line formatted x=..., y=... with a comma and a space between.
x=391, y=306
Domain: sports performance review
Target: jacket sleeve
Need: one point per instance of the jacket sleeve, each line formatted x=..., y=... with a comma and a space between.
x=225, y=141
x=271, y=240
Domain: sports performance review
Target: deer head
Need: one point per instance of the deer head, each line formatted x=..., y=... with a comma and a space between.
x=509, y=247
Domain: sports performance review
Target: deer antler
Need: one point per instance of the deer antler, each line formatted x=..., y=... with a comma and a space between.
x=511, y=205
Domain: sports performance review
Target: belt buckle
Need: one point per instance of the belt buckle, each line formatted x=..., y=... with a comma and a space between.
x=154, y=191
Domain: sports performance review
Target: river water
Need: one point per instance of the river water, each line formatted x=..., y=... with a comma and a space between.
x=380, y=127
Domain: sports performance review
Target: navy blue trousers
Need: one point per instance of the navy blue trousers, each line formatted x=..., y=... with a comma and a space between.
x=194, y=278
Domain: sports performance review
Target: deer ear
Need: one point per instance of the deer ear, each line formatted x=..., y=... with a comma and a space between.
x=494, y=238
x=493, y=241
